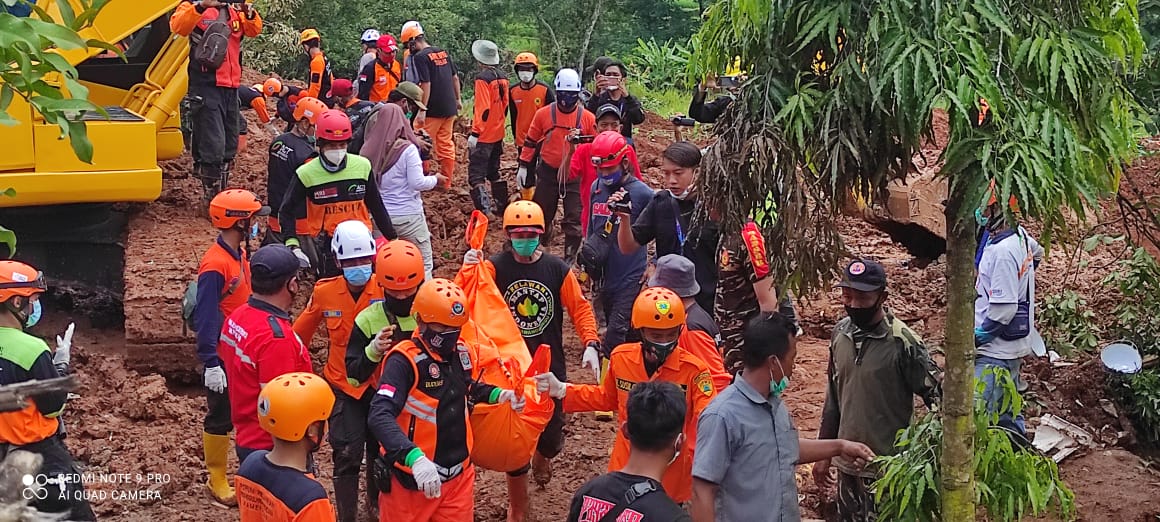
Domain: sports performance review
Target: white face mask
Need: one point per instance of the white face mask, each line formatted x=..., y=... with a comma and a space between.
x=526, y=76
x=335, y=156
x=682, y=195
x=611, y=88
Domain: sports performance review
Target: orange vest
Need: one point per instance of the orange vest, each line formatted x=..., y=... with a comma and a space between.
x=236, y=273
x=28, y=425
x=524, y=104
x=331, y=301
x=385, y=80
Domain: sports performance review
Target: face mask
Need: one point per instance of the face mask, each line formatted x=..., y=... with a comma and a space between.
x=443, y=343
x=33, y=317
x=399, y=307
x=254, y=231
x=567, y=100
x=660, y=350
x=334, y=156
x=612, y=179
x=357, y=275
x=526, y=76
x=682, y=195
x=777, y=388
x=863, y=318
x=677, y=448
x=525, y=247
x=311, y=138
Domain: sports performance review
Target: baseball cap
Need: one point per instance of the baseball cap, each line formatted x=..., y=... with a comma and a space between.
x=273, y=262
x=412, y=92
x=864, y=275
x=608, y=108
x=676, y=273
x=341, y=87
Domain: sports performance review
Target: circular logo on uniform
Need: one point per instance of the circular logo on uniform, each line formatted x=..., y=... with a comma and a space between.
x=433, y=371
x=263, y=406
x=856, y=268
x=532, y=306
x=457, y=308
x=663, y=307
x=539, y=101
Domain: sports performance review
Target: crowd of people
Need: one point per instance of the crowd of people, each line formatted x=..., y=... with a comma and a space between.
x=691, y=343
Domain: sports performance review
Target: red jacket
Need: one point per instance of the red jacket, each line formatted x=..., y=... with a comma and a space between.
x=188, y=19
x=583, y=169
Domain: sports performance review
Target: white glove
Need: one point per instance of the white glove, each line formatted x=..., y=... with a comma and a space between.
x=273, y=129
x=591, y=359
x=215, y=379
x=303, y=261
x=472, y=141
x=427, y=477
x=63, y=353
x=547, y=382
x=522, y=177
x=472, y=257
x=383, y=340
x=509, y=396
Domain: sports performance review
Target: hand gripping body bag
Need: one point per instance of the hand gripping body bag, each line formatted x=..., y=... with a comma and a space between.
x=504, y=439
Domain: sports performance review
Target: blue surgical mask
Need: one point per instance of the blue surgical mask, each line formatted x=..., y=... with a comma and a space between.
x=525, y=247
x=33, y=317
x=254, y=231
x=612, y=179
x=357, y=275
x=777, y=388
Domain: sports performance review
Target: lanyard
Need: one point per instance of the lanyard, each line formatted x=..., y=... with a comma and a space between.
x=681, y=238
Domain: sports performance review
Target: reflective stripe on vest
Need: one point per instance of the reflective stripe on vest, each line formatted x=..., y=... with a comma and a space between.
x=334, y=197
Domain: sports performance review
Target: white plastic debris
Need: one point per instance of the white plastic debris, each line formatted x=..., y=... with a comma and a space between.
x=1059, y=438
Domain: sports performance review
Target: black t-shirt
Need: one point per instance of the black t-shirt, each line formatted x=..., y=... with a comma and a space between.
x=668, y=221
x=434, y=65
x=601, y=496
x=287, y=152
x=532, y=293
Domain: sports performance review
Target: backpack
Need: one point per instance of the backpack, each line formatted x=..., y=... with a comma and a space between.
x=189, y=303
x=211, y=45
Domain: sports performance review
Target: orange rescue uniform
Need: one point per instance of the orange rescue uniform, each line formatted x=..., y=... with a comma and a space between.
x=552, y=126
x=377, y=80
x=333, y=302
x=320, y=78
x=268, y=492
x=625, y=370
x=525, y=101
x=704, y=347
x=491, y=105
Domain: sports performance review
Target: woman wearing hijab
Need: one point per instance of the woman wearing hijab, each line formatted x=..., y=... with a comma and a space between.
x=393, y=150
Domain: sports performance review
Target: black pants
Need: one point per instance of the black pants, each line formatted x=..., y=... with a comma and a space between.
x=216, y=123
x=483, y=163
x=617, y=306
x=856, y=499
x=548, y=196
x=350, y=435
x=63, y=490
x=217, y=416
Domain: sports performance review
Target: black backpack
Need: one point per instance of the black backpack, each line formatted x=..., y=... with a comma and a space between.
x=211, y=45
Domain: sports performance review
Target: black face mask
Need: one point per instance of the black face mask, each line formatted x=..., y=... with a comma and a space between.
x=399, y=307
x=659, y=350
x=443, y=343
x=863, y=318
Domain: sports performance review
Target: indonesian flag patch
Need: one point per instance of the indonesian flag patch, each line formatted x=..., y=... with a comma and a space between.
x=387, y=389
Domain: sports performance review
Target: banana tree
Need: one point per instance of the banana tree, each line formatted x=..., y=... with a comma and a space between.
x=840, y=97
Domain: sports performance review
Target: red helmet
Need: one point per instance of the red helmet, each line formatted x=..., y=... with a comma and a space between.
x=388, y=44
x=608, y=149
x=333, y=125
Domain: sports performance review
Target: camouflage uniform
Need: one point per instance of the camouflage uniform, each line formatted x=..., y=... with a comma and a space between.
x=736, y=303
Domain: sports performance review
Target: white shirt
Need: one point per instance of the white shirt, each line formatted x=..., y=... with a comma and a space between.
x=401, y=184
x=1007, y=277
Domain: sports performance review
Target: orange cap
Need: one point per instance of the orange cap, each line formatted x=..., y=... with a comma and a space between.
x=19, y=279
x=523, y=214
x=231, y=206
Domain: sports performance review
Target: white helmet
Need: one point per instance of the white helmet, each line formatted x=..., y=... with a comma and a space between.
x=568, y=80
x=370, y=36
x=352, y=240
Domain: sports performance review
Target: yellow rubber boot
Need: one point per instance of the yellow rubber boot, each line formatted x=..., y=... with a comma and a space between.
x=217, y=449
x=603, y=415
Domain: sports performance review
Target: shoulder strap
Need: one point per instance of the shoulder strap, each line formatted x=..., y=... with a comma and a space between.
x=635, y=492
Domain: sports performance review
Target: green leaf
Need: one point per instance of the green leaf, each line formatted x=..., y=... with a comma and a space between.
x=8, y=237
x=79, y=139
x=59, y=35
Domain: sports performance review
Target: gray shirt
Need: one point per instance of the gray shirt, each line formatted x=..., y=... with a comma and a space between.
x=365, y=60
x=748, y=446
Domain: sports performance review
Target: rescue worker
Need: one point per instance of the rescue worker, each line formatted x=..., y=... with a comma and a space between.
x=369, y=42
x=660, y=316
x=538, y=287
x=36, y=427
x=289, y=151
x=877, y=366
x=485, y=143
x=337, y=300
x=552, y=137
x=357, y=111
x=607, y=120
x=321, y=77
x=701, y=337
x=251, y=98
x=385, y=323
x=439, y=80
x=335, y=188
x=420, y=413
x=409, y=97
x=258, y=343
x=527, y=96
x=278, y=485
x=287, y=96
x=409, y=72
x=382, y=74
x=214, y=77
x=612, y=88
x=223, y=285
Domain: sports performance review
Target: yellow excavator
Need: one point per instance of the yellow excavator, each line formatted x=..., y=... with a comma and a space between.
x=69, y=215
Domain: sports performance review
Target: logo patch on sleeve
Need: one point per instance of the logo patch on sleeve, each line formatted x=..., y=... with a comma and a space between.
x=704, y=383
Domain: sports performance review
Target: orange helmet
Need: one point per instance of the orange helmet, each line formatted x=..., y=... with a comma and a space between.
x=440, y=301
x=231, y=206
x=291, y=402
x=523, y=215
x=19, y=280
x=658, y=308
x=399, y=265
x=527, y=59
x=272, y=87
x=310, y=108
x=333, y=125
x=411, y=30
x=308, y=35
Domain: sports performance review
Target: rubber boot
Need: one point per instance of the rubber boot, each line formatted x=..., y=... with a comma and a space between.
x=346, y=498
x=517, y=498
x=571, y=249
x=604, y=416
x=372, y=492
x=217, y=449
x=499, y=197
x=481, y=199
x=224, y=175
x=208, y=176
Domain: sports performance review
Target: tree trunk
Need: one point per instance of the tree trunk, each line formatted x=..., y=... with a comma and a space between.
x=958, y=477
x=597, y=10
x=557, y=50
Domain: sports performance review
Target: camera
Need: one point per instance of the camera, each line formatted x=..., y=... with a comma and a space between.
x=683, y=121
x=572, y=138
x=729, y=82
x=622, y=206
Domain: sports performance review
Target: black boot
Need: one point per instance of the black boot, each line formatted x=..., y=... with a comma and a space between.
x=499, y=197
x=571, y=249
x=372, y=492
x=209, y=175
x=481, y=199
x=224, y=175
x=346, y=498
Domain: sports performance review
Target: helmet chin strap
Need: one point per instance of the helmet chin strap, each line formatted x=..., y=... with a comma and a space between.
x=17, y=311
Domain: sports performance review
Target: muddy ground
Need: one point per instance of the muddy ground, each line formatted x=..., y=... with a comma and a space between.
x=140, y=408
